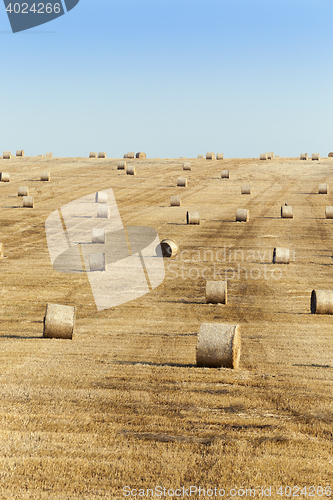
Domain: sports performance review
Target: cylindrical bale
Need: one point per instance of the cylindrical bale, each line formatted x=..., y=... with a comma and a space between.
x=303, y=156
x=1, y=250
x=216, y=292
x=49, y=155
x=315, y=156
x=187, y=166
x=101, y=197
x=141, y=155
x=330, y=155
x=20, y=152
x=263, y=156
x=219, y=156
x=175, y=201
x=281, y=255
x=131, y=155
x=125, y=155
x=4, y=176
x=98, y=235
x=218, y=345
x=45, y=176
x=270, y=155
x=59, y=322
x=242, y=215
x=28, y=201
x=92, y=154
x=182, y=182
x=322, y=302
x=323, y=189
x=131, y=170
x=23, y=191
x=201, y=156
x=121, y=165
x=7, y=155
x=329, y=212
x=246, y=189
x=102, y=154
x=224, y=174
x=193, y=218
x=103, y=211
x=169, y=248
x=287, y=212
x=210, y=156
x=97, y=262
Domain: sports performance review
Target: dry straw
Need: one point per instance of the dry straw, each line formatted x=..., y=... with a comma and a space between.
x=92, y=155
x=216, y=292
x=169, y=248
x=218, y=345
x=141, y=155
x=246, y=189
x=322, y=302
x=131, y=155
x=97, y=262
x=187, y=166
x=219, y=156
x=4, y=176
x=102, y=154
x=287, y=212
x=7, y=155
x=303, y=156
x=125, y=155
x=323, y=189
x=270, y=156
x=242, y=215
x=28, y=201
x=225, y=174
x=101, y=197
x=329, y=212
x=193, y=218
x=20, y=152
x=45, y=176
x=281, y=255
x=131, y=170
x=175, y=201
x=201, y=156
x=315, y=156
x=210, y=156
x=103, y=211
x=23, y=191
x=263, y=156
x=182, y=182
x=49, y=155
x=59, y=322
x=121, y=165
x=98, y=235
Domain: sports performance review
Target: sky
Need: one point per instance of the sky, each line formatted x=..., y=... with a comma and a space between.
x=171, y=78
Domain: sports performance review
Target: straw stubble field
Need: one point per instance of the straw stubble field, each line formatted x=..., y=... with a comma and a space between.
x=123, y=403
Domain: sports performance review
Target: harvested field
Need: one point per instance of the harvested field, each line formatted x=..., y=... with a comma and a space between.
x=123, y=403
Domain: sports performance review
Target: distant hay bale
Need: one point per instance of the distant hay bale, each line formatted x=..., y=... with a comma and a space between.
x=219, y=156
x=303, y=156
x=187, y=166
x=322, y=189
x=98, y=235
x=242, y=215
x=97, y=262
x=330, y=155
x=246, y=189
x=59, y=322
x=201, y=156
x=193, y=218
x=141, y=155
x=263, y=156
x=169, y=248
x=315, y=156
x=210, y=156
x=40, y=156
x=270, y=156
x=4, y=177
x=322, y=302
x=216, y=292
x=23, y=191
x=182, y=182
x=175, y=201
x=101, y=197
x=131, y=155
x=224, y=174
x=49, y=155
x=131, y=170
x=125, y=155
x=287, y=212
x=329, y=212
x=281, y=255
x=45, y=176
x=121, y=165
x=218, y=345
x=92, y=155
x=103, y=211
x=102, y=154
x=28, y=201
x=20, y=152
x=7, y=155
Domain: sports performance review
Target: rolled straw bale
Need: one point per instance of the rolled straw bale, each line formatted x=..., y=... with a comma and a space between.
x=329, y=212
x=193, y=218
x=303, y=156
x=49, y=155
x=270, y=156
x=97, y=262
x=330, y=155
x=224, y=174
x=281, y=255
x=102, y=154
x=322, y=189
x=28, y=201
x=210, y=156
x=23, y=191
x=187, y=166
x=182, y=182
x=131, y=155
x=216, y=292
x=200, y=156
x=219, y=156
x=263, y=156
x=218, y=345
x=40, y=156
x=45, y=176
x=59, y=322
x=287, y=212
x=20, y=152
x=125, y=155
x=101, y=197
x=92, y=154
x=141, y=155
x=246, y=189
x=7, y=155
x=131, y=170
x=98, y=235
x=169, y=248
x=175, y=201
x=242, y=215
x=315, y=156
x=4, y=176
x=121, y=165
x=322, y=302
x=103, y=211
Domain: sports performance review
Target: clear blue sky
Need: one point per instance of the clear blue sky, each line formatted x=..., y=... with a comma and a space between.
x=171, y=78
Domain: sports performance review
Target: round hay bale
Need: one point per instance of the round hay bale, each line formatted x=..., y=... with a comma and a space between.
x=59, y=322
x=7, y=155
x=219, y=156
x=103, y=212
x=330, y=155
x=4, y=176
x=40, y=156
x=97, y=262
x=224, y=174
x=242, y=215
x=210, y=156
x=121, y=165
x=23, y=191
x=175, y=201
x=218, y=345
x=45, y=176
x=323, y=189
x=131, y=170
x=329, y=212
x=92, y=155
x=303, y=156
x=102, y=154
x=141, y=155
x=20, y=152
x=263, y=156
x=169, y=248
x=322, y=302
x=125, y=155
x=98, y=235
x=182, y=182
x=49, y=155
x=101, y=197
x=216, y=292
x=281, y=255
x=28, y=201
x=315, y=156
x=287, y=212
x=246, y=189
x=201, y=156
x=187, y=166
x=270, y=156
x=131, y=155
x=193, y=218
